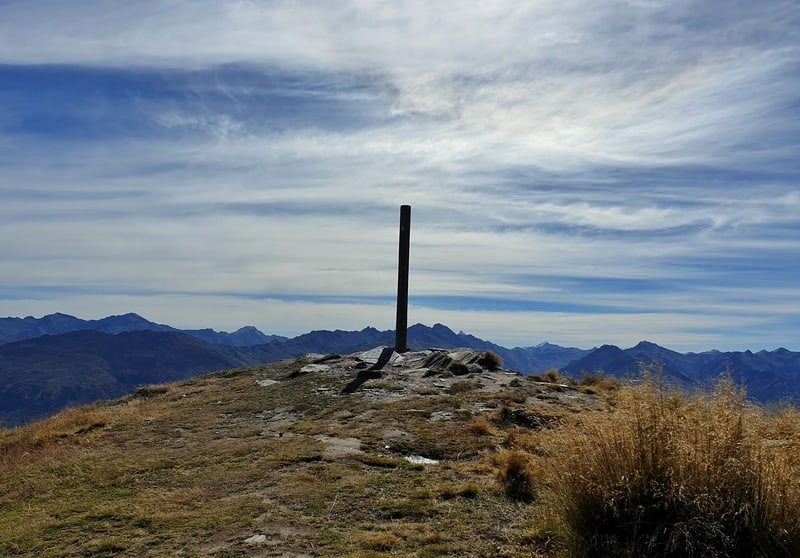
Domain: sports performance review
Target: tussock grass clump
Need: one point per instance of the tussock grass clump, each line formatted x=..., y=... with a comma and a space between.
x=552, y=376
x=479, y=427
x=516, y=476
x=380, y=542
x=151, y=391
x=503, y=415
x=506, y=416
x=668, y=475
x=491, y=361
x=598, y=382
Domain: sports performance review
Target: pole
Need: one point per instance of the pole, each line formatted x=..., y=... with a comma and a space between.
x=401, y=328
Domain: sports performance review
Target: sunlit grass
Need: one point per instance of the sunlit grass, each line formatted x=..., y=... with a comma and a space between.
x=665, y=474
x=532, y=469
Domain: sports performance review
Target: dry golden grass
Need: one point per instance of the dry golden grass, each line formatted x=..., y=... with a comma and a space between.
x=479, y=427
x=598, y=382
x=516, y=476
x=552, y=376
x=197, y=468
x=664, y=474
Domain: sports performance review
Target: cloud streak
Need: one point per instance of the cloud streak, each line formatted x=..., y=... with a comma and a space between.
x=579, y=173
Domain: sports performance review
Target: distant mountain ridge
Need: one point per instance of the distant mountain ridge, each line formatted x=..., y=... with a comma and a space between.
x=51, y=369
x=18, y=329
x=43, y=375
x=768, y=376
x=63, y=361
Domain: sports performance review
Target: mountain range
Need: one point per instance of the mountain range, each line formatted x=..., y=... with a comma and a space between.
x=17, y=329
x=768, y=376
x=58, y=361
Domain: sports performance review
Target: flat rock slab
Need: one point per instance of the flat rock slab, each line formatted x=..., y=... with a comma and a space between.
x=334, y=447
x=372, y=356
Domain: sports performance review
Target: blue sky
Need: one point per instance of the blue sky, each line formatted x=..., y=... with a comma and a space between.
x=580, y=172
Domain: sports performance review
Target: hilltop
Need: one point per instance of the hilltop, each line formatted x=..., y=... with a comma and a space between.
x=319, y=456
x=429, y=453
x=59, y=361
x=41, y=375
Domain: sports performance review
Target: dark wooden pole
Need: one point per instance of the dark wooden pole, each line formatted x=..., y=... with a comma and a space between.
x=401, y=327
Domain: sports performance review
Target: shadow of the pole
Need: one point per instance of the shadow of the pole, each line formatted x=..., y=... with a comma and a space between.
x=362, y=377
x=371, y=373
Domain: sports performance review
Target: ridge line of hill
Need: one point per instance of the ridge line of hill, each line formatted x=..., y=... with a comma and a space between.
x=42, y=375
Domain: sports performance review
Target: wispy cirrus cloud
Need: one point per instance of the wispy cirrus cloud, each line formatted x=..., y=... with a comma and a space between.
x=631, y=164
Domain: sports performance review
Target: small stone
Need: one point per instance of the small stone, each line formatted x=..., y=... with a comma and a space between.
x=256, y=539
x=314, y=368
x=419, y=460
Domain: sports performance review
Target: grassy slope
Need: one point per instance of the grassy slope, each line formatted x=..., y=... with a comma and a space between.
x=198, y=467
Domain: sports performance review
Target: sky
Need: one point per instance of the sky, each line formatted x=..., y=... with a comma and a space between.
x=579, y=172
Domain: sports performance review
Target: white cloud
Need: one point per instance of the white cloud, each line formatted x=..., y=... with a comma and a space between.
x=538, y=143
